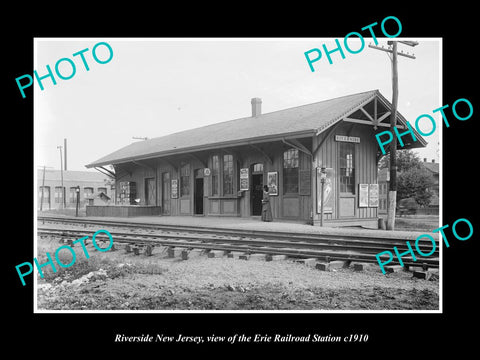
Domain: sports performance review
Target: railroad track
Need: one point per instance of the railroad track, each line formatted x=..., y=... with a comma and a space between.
x=327, y=248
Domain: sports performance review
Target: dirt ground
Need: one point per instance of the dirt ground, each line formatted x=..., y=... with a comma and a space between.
x=116, y=280
x=423, y=223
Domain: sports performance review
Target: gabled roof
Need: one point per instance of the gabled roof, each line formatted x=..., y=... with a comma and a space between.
x=98, y=195
x=300, y=121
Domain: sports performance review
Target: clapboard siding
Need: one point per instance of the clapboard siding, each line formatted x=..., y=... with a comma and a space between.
x=270, y=154
x=365, y=164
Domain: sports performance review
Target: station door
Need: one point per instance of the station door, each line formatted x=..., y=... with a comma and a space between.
x=198, y=196
x=150, y=191
x=256, y=193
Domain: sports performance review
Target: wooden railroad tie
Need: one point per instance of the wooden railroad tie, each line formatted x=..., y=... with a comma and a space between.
x=148, y=250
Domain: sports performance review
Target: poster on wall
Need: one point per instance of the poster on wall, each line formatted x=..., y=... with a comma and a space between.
x=243, y=179
x=373, y=195
x=327, y=191
x=362, y=195
x=174, y=188
x=272, y=182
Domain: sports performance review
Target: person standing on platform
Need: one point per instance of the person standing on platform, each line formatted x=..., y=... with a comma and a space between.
x=266, y=207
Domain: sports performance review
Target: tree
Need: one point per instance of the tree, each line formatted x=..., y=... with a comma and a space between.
x=413, y=180
x=406, y=159
x=414, y=183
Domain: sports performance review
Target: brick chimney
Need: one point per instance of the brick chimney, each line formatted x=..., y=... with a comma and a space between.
x=433, y=160
x=256, y=107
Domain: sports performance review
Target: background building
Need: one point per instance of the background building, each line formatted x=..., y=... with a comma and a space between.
x=433, y=168
x=92, y=186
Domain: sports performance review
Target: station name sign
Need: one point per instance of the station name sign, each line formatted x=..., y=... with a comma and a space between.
x=352, y=139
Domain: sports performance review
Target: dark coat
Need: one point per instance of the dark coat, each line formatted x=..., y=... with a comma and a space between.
x=266, y=207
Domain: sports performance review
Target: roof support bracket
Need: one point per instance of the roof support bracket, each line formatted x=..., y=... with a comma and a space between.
x=265, y=155
x=173, y=165
x=137, y=162
x=366, y=114
x=105, y=171
x=384, y=116
x=231, y=152
x=314, y=153
x=367, y=122
x=128, y=172
x=195, y=157
x=297, y=145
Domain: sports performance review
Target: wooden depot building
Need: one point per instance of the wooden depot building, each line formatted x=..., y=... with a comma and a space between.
x=220, y=169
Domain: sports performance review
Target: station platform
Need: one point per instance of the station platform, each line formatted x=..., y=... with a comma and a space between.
x=255, y=223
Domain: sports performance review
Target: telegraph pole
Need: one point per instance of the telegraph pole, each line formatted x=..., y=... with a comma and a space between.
x=43, y=188
x=61, y=176
x=65, y=153
x=392, y=191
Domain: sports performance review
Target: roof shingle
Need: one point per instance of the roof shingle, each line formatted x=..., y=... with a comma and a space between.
x=300, y=120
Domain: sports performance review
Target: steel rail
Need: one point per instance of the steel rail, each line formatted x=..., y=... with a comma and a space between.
x=327, y=250
x=236, y=232
x=351, y=244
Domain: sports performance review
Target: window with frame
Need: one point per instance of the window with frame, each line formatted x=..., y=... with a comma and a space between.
x=87, y=192
x=258, y=168
x=227, y=174
x=185, y=180
x=223, y=175
x=290, y=171
x=46, y=193
x=73, y=195
x=347, y=168
x=215, y=174
x=59, y=191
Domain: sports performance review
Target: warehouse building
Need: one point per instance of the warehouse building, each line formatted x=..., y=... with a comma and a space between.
x=58, y=189
x=219, y=170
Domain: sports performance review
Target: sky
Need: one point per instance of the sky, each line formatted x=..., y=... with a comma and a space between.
x=154, y=87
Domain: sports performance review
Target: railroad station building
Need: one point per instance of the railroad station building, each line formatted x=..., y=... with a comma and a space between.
x=220, y=169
